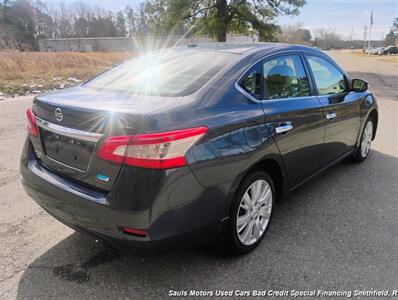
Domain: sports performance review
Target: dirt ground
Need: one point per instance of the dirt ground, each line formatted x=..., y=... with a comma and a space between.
x=338, y=233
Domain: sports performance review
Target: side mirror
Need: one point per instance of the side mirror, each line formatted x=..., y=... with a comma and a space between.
x=359, y=85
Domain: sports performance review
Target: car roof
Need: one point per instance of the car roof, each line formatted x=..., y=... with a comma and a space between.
x=250, y=48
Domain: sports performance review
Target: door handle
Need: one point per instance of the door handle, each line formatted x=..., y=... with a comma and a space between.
x=284, y=128
x=331, y=115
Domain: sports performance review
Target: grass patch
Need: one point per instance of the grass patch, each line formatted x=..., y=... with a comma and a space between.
x=24, y=72
x=358, y=52
x=391, y=58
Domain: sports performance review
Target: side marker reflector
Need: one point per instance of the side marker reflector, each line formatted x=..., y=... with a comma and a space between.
x=133, y=231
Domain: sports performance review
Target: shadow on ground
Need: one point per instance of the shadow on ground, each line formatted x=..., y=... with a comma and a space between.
x=338, y=232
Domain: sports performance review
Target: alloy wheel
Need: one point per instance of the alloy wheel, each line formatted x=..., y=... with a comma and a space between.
x=254, y=212
x=366, y=139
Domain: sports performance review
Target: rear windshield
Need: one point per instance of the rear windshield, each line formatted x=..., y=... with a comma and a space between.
x=172, y=73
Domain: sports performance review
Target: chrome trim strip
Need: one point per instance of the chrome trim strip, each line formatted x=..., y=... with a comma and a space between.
x=59, y=183
x=240, y=89
x=65, y=165
x=69, y=132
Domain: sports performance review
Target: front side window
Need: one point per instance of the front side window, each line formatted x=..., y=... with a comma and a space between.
x=328, y=78
x=284, y=77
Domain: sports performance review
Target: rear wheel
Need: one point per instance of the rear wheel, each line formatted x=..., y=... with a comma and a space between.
x=365, y=142
x=251, y=212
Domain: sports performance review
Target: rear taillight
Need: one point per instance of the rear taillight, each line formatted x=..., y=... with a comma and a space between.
x=163, y=150
x=32, y=125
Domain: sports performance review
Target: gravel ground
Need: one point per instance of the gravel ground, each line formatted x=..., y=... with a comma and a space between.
x=340, y=232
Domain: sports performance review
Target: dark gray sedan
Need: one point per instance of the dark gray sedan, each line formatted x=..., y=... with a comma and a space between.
x=193, y=144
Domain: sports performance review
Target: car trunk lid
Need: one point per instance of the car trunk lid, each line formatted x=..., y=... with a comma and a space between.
x=69, y=137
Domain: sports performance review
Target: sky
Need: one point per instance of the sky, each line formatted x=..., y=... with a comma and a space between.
x=345, y=16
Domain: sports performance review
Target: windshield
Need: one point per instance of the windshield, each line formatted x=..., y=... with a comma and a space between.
x=172, y=73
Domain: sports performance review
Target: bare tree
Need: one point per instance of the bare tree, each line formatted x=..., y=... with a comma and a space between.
x=131, y=20
x=294, y=34
x=327, y=38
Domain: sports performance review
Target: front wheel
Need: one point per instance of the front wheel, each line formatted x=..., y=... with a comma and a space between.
x=251, y=212
x=365, y=142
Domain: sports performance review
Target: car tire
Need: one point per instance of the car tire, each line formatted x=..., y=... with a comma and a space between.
x=365, y=142
x=254, y=202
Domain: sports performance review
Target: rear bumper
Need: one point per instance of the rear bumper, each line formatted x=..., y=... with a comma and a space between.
x=171, y=222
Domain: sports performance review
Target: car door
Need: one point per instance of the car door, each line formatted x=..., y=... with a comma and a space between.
x=341, y=108
x=293, y=115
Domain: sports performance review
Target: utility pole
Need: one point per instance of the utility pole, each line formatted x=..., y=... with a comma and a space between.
x=365, y=34
x=370, y=28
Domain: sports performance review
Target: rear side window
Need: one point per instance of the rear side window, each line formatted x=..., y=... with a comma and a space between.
x=284, y=77
x=170, y=73
x=251, y=82
x=329, y=80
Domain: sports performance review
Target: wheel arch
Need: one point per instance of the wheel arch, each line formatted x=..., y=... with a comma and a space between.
x=274, y=169
x=374, y=115
x=273, y=166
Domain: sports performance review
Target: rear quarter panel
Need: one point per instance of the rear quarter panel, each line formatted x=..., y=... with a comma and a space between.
x=238, y=138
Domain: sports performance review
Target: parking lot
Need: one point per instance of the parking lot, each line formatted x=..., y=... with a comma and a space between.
x=340, y=232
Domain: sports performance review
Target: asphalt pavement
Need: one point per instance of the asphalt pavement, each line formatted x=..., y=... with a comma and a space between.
x=340, y=232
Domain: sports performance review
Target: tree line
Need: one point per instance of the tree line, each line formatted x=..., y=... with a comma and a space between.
x=24, y=22
x=392, y=35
